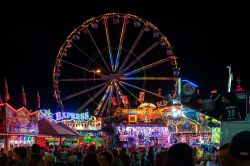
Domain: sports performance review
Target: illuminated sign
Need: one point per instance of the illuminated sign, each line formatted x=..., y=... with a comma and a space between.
x=59, y=116
x=21, y=120
x=162, y=103
x=94, y=133
x=22, y=138
x=43, y=113
x=146, y=105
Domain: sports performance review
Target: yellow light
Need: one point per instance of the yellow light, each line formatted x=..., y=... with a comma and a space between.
x=98, y=71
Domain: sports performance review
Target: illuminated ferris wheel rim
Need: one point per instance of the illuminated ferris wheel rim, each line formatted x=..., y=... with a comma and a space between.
x=107, y=15
x=115, y=77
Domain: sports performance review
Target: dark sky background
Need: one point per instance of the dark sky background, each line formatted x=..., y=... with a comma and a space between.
x=206, y=37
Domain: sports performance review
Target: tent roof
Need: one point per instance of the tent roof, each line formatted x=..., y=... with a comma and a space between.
x=47, y=127
x=69, y=128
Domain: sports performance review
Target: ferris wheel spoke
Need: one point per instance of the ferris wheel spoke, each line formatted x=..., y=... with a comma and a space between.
x=104, y=106
x=88, y=56
x=84, y=91
x=102, y=101
x=91, y=99
x=130, y=93
x=77, y=66
x=144, y=90
x=81, y=79
x=149, y=78
x=132, y=49
x=107, y=104
x=108, y=41
x=93, y=40
x=141, y=56
x=120, y=43
x=119, y=93
x=109, y=98
x=150, y=65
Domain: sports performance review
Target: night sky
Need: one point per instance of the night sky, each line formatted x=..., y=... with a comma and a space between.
x=206, y=38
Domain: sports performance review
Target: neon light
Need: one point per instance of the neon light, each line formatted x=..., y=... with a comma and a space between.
x=19, y=109
x=140, y=89
x=179, y=86
x=190, y=83
x=150, y=65
x=14, y=134
x=109, y=45
x=59, y=116
x=43, y=113
x=162, y=103
x=147, y=105
x=149, y=78
x=130, y=93
x=92, y=124
x=120, y=43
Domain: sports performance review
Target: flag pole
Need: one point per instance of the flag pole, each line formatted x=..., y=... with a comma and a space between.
x=230, y=78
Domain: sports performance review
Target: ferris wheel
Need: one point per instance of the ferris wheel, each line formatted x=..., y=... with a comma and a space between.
x=108, y=60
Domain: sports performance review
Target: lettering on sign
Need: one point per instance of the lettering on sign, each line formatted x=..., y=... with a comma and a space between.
x=59, y=116
x=162, y=103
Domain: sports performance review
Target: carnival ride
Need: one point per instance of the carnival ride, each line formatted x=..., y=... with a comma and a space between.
x=110, y=58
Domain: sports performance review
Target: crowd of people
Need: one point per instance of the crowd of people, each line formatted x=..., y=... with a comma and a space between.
x=236, y=153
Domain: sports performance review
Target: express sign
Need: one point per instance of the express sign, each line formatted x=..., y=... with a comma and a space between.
x=59, y=116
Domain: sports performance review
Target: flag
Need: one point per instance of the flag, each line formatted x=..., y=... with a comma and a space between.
x=114, y=102
x=24, y=96
x=238, y=87
x=125, y=100
x=141, y=96
x=38, y=100
x=6, y=91
x=159, y=92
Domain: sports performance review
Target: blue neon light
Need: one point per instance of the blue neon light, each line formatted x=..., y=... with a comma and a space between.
x=190, y=83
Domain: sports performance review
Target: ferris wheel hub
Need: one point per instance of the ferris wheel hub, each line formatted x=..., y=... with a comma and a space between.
x=112, y=77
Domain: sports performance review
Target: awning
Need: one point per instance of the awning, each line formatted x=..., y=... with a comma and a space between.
x=47, y=127
x=69, y=128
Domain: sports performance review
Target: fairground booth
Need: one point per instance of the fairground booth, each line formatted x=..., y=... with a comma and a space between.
x=88, y=126
x=163, y=125
x=18, y=127
x=57, y=133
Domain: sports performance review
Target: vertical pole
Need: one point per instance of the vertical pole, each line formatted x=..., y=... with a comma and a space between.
x=6, y=144
x=230, y=78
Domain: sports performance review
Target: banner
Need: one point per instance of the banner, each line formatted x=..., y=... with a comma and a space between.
x=141, y=96
x=114, y=102
x=125, y=100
